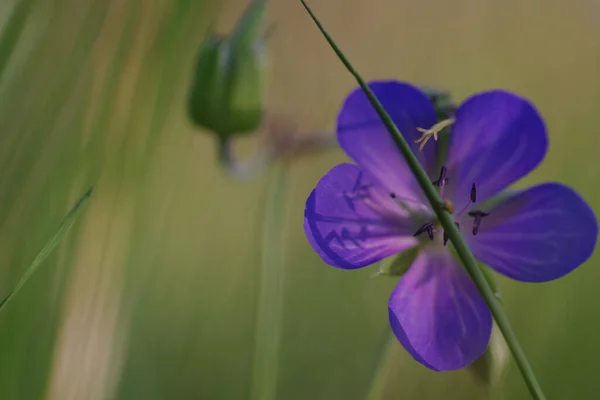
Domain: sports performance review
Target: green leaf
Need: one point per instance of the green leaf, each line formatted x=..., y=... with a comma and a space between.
x=12, y=31
x=269, y=314
x=62, y=230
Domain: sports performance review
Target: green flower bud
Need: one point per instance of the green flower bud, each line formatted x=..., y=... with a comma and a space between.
x=227, y=93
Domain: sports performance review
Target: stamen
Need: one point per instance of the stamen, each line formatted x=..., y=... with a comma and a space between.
x=446, y=235
x=461, y=212
x=430, y=232
x=472, y=199
x=442, y=179
x=476, y=226
x=478, y=215
x=428, y=227
x=433, y=131
x=393, y=195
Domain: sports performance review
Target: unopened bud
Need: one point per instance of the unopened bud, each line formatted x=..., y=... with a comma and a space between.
x=227, y=93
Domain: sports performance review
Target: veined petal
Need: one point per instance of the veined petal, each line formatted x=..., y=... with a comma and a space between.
x=351, y=223
x=497, y=139
x=537, y=235
x=437, y=314
x=366, y=140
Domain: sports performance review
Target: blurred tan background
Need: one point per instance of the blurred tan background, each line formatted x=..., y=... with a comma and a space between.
x=154, y=293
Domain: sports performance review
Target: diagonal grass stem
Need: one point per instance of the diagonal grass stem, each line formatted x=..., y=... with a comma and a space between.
x=445, y=218
x=62, y=230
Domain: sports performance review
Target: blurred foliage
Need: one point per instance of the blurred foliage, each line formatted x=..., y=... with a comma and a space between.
x=154, y=293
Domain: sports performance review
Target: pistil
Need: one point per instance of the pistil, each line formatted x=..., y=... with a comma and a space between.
x=433, y=131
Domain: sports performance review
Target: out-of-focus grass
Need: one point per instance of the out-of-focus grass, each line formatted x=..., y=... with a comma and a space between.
x=154, y=294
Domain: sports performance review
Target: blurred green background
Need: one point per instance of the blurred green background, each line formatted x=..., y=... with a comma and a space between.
x=154, y=294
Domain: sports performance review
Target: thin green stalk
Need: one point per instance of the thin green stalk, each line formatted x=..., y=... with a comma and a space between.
x=270, y=300
x=447, y=222
x=380, y=376
x=62, y=230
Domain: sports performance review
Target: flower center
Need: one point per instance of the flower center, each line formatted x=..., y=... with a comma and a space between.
x=431, y=227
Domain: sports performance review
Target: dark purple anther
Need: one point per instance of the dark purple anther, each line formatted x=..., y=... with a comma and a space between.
x=393, y=195
x=430, y=232
x=442, y=179
x=473, y=193
x=428, y=227
x=446, y=235
x=478, y=215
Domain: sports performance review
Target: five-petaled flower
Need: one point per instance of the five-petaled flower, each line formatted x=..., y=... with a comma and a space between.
x=360, y=214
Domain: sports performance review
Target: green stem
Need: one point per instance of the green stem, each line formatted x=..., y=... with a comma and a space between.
x=380, y=376
x=447, y=222
x=62, y=230
x=270, y=300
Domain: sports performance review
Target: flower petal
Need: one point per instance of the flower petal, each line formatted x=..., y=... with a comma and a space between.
x=366, y=140
x=351, y=223
x=497, y=139
x=437, y=314
x=538, y=235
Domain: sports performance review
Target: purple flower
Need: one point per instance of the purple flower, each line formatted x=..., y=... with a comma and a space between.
x=362, y=213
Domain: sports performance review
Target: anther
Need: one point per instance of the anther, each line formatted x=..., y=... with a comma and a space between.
x=393, y=195
x=428, y=227
x=430, y=232
x=473, y=193
x=446, y=234
x=442, y=179
x=472, y=199
x=478, y=215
